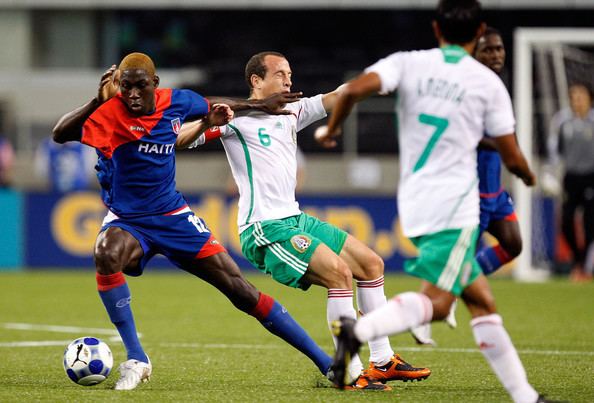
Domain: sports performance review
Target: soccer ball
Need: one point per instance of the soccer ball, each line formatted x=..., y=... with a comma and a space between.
x=87, y=361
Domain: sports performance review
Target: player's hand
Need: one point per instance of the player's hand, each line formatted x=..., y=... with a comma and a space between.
x=529, y=179
x=324, y=138
x=275, y=103
x=109, y=84
x=219, y=115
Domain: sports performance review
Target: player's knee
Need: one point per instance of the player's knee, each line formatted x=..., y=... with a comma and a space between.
x=373, y=267
x=340, y=275
x=108, y=260
x=514, y=248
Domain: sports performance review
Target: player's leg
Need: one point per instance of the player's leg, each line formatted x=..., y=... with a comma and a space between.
x=223, y=273
x=368, y=270
x=503, y=225
x=571, y=201
x=116, y=250
x=495, y=343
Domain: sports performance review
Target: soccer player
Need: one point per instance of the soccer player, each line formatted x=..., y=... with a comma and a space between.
x=497, y=215
x=135, y=133
x=296, y=249
x=447, y=101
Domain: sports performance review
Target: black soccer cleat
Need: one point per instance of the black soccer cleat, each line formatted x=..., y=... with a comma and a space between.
x=347, y=346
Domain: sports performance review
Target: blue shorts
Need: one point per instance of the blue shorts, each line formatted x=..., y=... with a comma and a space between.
x=500, y=207
x=181, y=238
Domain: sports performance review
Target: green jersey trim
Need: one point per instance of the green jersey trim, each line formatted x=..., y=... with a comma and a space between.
x=248, y=162
x=453, y=53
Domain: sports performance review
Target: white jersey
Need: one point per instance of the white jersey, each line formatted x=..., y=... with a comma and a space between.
x=446, y=102
x=261, y=150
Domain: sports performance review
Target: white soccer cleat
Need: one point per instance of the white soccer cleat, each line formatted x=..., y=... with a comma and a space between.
x=422, y=335
x=132, y=372
x=451, y=318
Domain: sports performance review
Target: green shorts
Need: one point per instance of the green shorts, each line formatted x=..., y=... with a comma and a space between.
x=446, y=259
x=283, y=248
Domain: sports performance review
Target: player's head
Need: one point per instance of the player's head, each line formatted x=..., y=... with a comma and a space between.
x=458, y=21
x=580, y=99
x=138, y=82
x=490, y=50
x=267, y=73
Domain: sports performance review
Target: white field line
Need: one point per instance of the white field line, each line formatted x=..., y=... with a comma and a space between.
x=413, y=349
x=115, y=337
x=64, y=329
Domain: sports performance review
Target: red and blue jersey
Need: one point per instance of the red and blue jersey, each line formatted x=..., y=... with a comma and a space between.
x=489, y=173
x=136, y=164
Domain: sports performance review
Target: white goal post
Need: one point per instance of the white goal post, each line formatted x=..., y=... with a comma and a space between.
x=525, y=41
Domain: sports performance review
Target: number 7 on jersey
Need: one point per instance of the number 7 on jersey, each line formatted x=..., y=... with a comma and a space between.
x=440, y=125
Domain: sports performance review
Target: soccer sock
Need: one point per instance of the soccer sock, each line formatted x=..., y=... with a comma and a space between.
x=370, y=296
x=340, y=303
x=491, y=259
x=275, y=318
x=115, y=294
x=403, y=312
x=496, y=346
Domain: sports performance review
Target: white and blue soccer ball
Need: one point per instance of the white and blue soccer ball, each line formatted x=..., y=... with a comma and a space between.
x=87, y=361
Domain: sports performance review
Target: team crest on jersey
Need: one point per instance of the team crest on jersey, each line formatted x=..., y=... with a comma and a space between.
x=176, y=125
x=300, y=243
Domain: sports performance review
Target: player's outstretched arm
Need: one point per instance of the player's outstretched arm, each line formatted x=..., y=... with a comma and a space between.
x=273, y=104
x=69, y=127
x=347, y=96
x=513, y=159
x=219, y=115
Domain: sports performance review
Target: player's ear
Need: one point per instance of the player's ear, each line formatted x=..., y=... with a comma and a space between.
x=436, y=30
x=156, y=80
x=256, y=80
x=480, y=31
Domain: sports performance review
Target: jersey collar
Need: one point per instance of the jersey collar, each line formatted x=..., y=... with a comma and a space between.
x=453, y=53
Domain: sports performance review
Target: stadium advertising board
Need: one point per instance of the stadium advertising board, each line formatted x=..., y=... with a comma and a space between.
x=11, y=230
x=61, y=229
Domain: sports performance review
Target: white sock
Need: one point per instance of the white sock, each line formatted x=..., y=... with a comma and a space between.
x=370, y=296
x=340, y=303
x=401, y=313
x=497, y=347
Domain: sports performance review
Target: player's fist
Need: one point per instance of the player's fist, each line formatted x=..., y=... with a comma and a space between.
x=324, y=138
x=219, y=115
x=109, y=84
x=529, y=179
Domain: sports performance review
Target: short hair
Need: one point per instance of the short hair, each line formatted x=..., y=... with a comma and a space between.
x=491, y=31
x=459, y=20
x=256, y=65
x=138, y=61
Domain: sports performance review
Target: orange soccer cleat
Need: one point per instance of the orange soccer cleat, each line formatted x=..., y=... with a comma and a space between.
x=396, y=370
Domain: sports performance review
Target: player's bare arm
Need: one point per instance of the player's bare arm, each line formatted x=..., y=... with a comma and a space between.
x=69, y=127
x=272, y=104
x=513, y=158
x=219, y=115
x=347, y=96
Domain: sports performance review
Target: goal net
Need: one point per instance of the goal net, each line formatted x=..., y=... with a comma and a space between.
x=546, y=62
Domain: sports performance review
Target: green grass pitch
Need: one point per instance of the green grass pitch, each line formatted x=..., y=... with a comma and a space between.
x=203, y=350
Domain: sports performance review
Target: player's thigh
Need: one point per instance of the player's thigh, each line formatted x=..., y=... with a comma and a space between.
x=446, y=259
x=281, y=249
x=116, y=249
x=327, y=269
x=507, y=232
x=363, y=262
x=221, y=271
